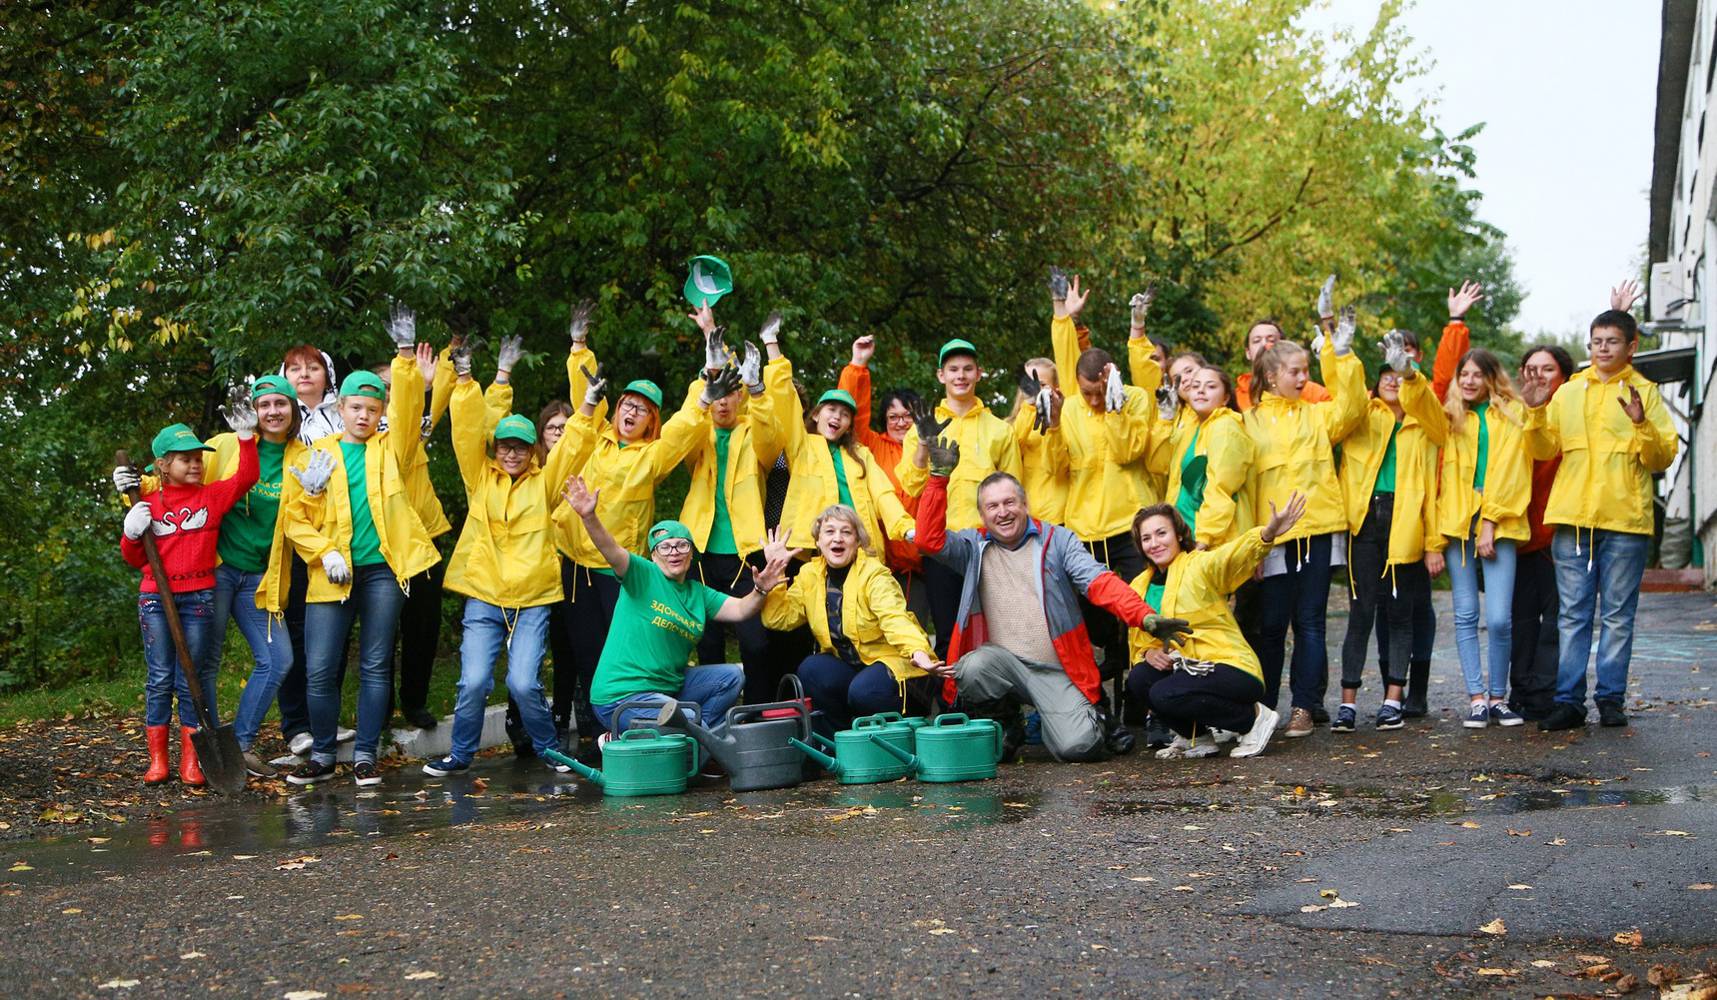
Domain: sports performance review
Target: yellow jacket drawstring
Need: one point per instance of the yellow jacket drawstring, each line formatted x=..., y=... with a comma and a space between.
x=511, y=625
x=1351, y=587
x=736, y=575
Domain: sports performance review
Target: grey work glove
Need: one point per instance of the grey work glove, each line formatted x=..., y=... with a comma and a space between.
x=460, y=356
x=1034, y=390
x=316, y=472
x=1168, y=400
x=723, y=383
x=1114, y=392
x=924, y=419
x=1168, y=631
x=1141, y=303
x=578, y=328
x=1341, y=341
x=771, y=332
x=715, y=353
x=1395, y=356
x=126, y=478
x=751, y=369
x=1326, y=298
x=334, y=564
x=1057, y=283
x=402, y=325
x=511, y=350
x=239, y=414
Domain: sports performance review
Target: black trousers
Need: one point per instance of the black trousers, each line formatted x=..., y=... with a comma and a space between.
x=420, y=622
x=942, y=584
x=732, y=576
x=1380, y=593
x=1108, y=633
x=1424, y=629
x=1537, y=644
x=589, y=608
x=1225, y=698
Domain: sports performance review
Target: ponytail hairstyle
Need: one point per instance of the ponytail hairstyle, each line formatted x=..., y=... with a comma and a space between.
x=1497, y=382
x=1270, y=361
x=1182, y=533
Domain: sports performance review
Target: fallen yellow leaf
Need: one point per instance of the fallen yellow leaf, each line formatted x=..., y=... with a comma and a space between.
x=1702, y=887
x=1520, y=886
x=1496, y=927
x=1496, y=972
x=425, y=974
x=1633, y=938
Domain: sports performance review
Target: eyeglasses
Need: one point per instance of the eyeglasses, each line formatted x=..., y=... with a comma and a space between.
x=1609, y=342
x=900, y=418
x=678, y=547
x=631, y=406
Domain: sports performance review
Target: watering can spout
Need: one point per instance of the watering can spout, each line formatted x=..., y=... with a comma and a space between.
x=823, y=760
x=584, y=771
x=723, y=747
x=910, y=760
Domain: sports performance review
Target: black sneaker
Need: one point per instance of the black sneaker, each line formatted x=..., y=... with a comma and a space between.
x=1563, y=716
x=420, y=717
x=1346, y=719
x=1414, y=708
x=364, y=772
x=444, y=767
x=1610, y=714
x=1157, y=733
x=1390, y=717
x=1320, y=715
x=1120, y=740
x=310, y=772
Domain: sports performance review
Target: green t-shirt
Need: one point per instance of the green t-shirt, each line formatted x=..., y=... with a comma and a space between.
x=247, y=532
x=366, y=545
x=1192, y=478
x=721, y=528
x=655, y=630
x=1479, y=411
x=846, y=494
x=1386, y=471
x=1154, y=592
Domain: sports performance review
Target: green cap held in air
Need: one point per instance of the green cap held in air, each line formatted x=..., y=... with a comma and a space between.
x=709, y=280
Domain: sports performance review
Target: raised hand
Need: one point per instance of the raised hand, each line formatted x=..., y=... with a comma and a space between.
x=1168, y=399
x=1034, y=391
x=426, y=361
x=1114, y=392
x=460, y=356
x=1057, y=283
x=402, y=326
x=1470, y=294
x=715, y=352
x=1168, y=631
x=704, y=317
x=944, y=455
x=598, y=382
x=1341, y=340
x=126, y=478
x=1075, y=298
x=334, y=564
x=1029, y=386
x=580, y=498
x=1326, y=298
x=578, y=327
x=771, y=332
x=316, y=472
x=239, y=414
x=1632, y=405
x=1141, y=304
x=924, y=419
x=512, y=349
x=1624, y=295
x=775, y=548
x=751, y=369
x=137, y=520
x=1282, y=520
x=1535, y=392
x=1395, y=356
x=864, y=348
x=722, y=384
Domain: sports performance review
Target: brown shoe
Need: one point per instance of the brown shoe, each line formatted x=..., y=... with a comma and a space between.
x=257, y=767
x=1299, y=724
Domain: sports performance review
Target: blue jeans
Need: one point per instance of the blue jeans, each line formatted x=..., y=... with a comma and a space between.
x=1300, y=597
x=163, y=677
x=1463, y=563
x=375, y=599
x=715, y=688
x=1597, y=572
x=270, y=647
x=486, y=635
x=842, y=692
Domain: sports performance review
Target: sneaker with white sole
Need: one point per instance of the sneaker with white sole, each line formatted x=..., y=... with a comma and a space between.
x=1176, y=749
x=310, y=772
x=445, y=766
x=256, y=767
x=366, y=774
x=300, y=745
x=556, y=766
x=344, y=735
x=1254, y=740
x=1478, y=716
x=1300, y=723
x=1502, y=715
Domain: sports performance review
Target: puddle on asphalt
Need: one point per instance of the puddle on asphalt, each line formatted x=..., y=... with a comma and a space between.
x=1372, y=801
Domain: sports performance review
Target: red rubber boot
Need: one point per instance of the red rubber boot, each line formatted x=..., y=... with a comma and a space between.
x=159, y=771
x=190, y=772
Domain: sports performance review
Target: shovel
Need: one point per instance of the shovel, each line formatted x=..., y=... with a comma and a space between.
x=216, y=746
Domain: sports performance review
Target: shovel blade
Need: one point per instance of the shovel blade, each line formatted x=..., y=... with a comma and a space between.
x=222, y=760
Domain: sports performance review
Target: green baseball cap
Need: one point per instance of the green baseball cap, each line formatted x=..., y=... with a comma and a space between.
x=662, y=531
x=516, y=428
x=364, y=384
x=840, y=396
x=272, y=385
x=176, y=437
x=646, y=388
x=956, y=346
x=709, y=280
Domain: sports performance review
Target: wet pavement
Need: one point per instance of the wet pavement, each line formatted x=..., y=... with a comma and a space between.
x=1376, y=864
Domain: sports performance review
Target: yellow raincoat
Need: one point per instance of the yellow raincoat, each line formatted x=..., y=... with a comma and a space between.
x=318, y=525
x=778, y=427
x=744, y=487
x=1226, y=507
x=1197, y=589
x=873, y=614
x=1507, y=480
x=1607, y=460
x=1294, y=445
x=505, y=555
x=1424, y=427
x=1106, y=452
x=1044, y=458
x=1148, y=375
x=987, y=445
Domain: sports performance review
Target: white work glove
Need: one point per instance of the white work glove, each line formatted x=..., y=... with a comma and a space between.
x=1168, y=401
x=126, y=478
x=512, y=348
x=771, y=332
x=402, y=326
x=1342, y=339
x=1317, y=341
x=1395, y=356
x=334, y=564
x=579, y=327
x=1141, y=303
x=593, y=393
x=461, y=358
x=240, y=415
x=1115, y=394
x=1326, y=298
x=751, y=369
x=316, y=472
x=715, y=352
x=137, y=520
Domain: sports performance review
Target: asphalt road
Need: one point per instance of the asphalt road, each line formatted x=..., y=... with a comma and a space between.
x=1135, y=878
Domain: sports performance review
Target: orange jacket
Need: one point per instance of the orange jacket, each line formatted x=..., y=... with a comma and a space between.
x=902, y=555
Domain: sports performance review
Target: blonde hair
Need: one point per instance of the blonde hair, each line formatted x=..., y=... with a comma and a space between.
x=1270, y=361
x=840, y=512
x=1035, y=365
x=1497, y=383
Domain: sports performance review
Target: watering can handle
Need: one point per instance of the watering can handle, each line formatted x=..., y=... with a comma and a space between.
x=1000, y=744
x=951, y=719
x=743, y=712
x=790, y=688
x=696, y=758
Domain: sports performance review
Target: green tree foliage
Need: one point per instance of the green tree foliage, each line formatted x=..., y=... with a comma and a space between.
x=189, y=187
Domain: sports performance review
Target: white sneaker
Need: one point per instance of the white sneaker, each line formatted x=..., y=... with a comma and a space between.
x=1258, y=737
x=1176, y=749
x=344, y=735
x=300, y=745
x=1204, y=746
x=1220, y=736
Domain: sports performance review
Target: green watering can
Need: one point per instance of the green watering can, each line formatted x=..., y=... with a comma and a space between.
x=953, y=748
x=911, y=722
x=859, y=757
x=640, y=762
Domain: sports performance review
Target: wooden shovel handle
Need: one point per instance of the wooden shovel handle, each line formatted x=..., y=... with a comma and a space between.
x=153, y=555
